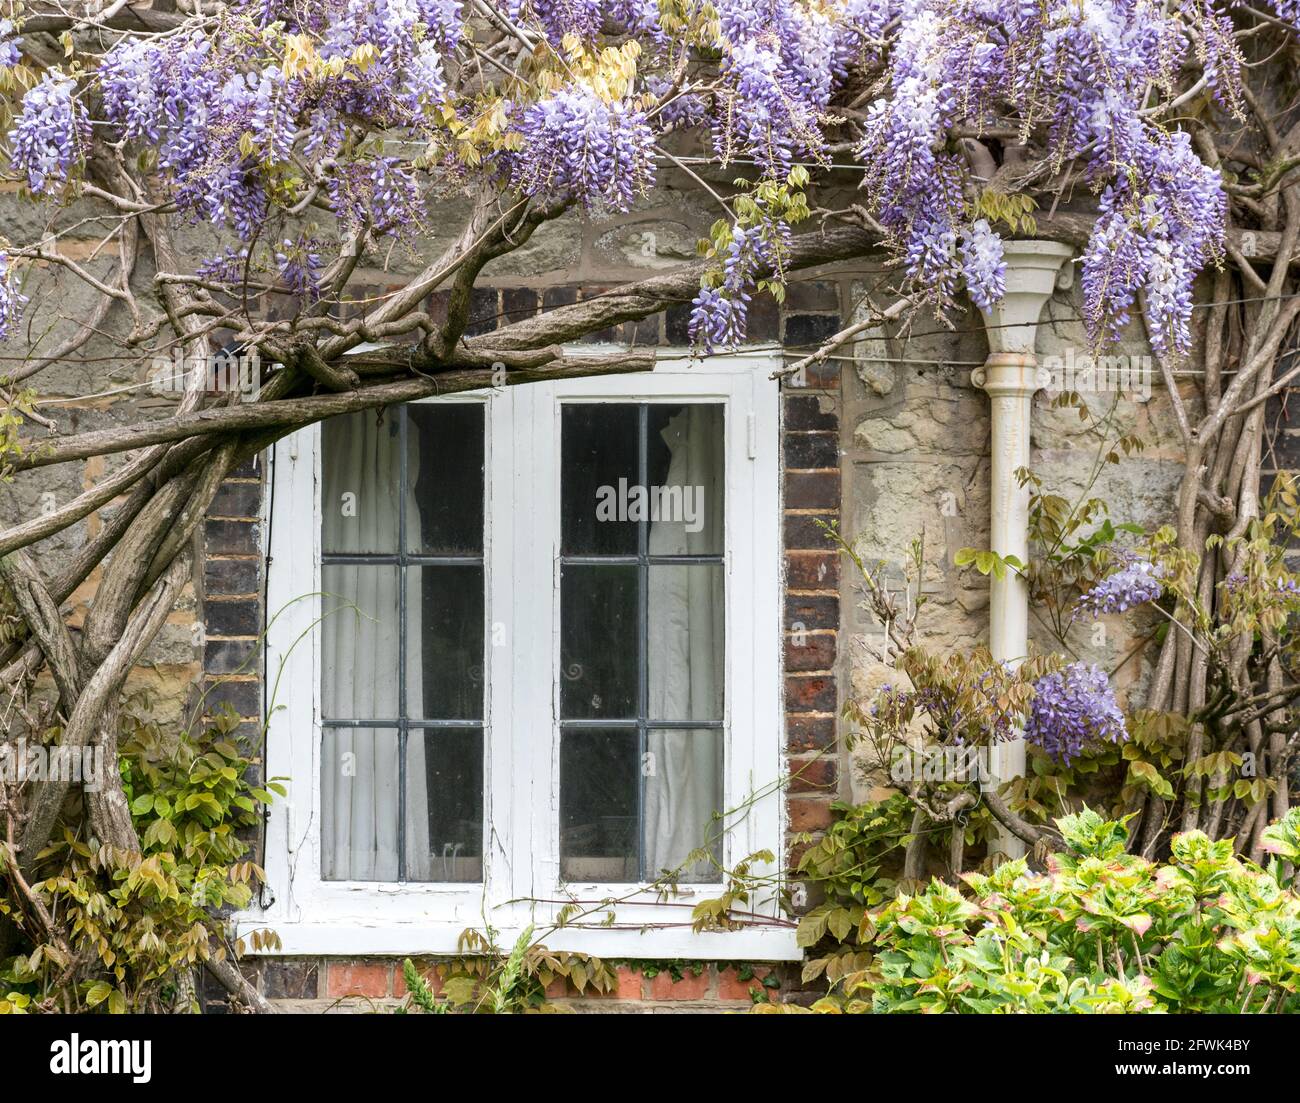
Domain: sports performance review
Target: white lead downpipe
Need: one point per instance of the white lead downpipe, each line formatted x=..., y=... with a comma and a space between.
x=1011, y=375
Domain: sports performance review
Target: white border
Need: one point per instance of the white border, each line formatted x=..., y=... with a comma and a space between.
x=521, y=871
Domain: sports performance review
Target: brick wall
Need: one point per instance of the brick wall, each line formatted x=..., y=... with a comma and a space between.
x=232, y=591
x=811, y=494
x=362, y=984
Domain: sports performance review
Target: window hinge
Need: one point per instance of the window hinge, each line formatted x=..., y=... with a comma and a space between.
x=751, y=430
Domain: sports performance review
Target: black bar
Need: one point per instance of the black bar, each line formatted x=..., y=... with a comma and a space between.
x=377, y=559
x=638, y=560
x=632, y=721
x=1259, y=1049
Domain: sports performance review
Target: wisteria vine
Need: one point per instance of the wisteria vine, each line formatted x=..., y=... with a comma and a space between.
x=363, y=108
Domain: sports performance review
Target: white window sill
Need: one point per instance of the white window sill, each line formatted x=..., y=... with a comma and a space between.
x=364, y=938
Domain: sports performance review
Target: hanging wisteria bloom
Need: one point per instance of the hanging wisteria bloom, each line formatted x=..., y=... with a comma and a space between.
x=9, y=52
x=585, y=18
x=228, y=266
x=426, y=84
x=719, y=315
x=1288, y=10
x=206, y=122
x=299, y=264
x=50, y=134
x=1073, y=710
x=983, y=265
x=1159, y=225
x=1134, y=584
x=380, y=192
x=11, y=300
x=561, y=17
x=859, y=31
x=1163, y=211
x=677, y=109
x=779, y=63
x=575, y=143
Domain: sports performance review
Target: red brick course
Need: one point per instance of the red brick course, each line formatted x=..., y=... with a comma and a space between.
x=731, y=987
x=369, y=978
x=690, y=987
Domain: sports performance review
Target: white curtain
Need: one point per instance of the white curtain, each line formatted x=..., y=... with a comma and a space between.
x=360, y=772
x=683, y=787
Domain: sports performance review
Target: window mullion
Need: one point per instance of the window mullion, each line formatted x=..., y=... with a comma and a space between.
x=499, y=675
x=522, y=588
x=643, y=636
x=402, y=710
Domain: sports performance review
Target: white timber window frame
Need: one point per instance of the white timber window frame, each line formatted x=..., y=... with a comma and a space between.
x=521, y=875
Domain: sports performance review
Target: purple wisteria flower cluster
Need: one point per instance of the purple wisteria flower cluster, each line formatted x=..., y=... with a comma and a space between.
x=719, y=314
x=178, y=97
x=219, y=119
x=1137, y=582
x=50, y=134
x=585, y=18
x=299, y=264
x=913, y=183
x=228, y=266
x=11, y=299
x=1161, y=221
x=1072, y=710
x=576, y=143
x=380, y=191
x=1162, y=208
x=781, y=62
x=677, y=109
x=982, y=264
x=1288, y=10
x=9, y=52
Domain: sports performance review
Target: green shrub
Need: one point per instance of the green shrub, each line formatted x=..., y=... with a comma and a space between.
x=1102, y=930
x=131, y=927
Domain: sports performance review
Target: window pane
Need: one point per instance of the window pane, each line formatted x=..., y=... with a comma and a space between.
x=685, y=472
x=445, y=467
x=360, y=473
x=685, y=653
x=359, y=786
x=599, y=782
x=599, y=654
x=444, y=651
x=599, y=446
x=602, y=780
x=360, y=631
x=683, y=791
x=444, y=804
